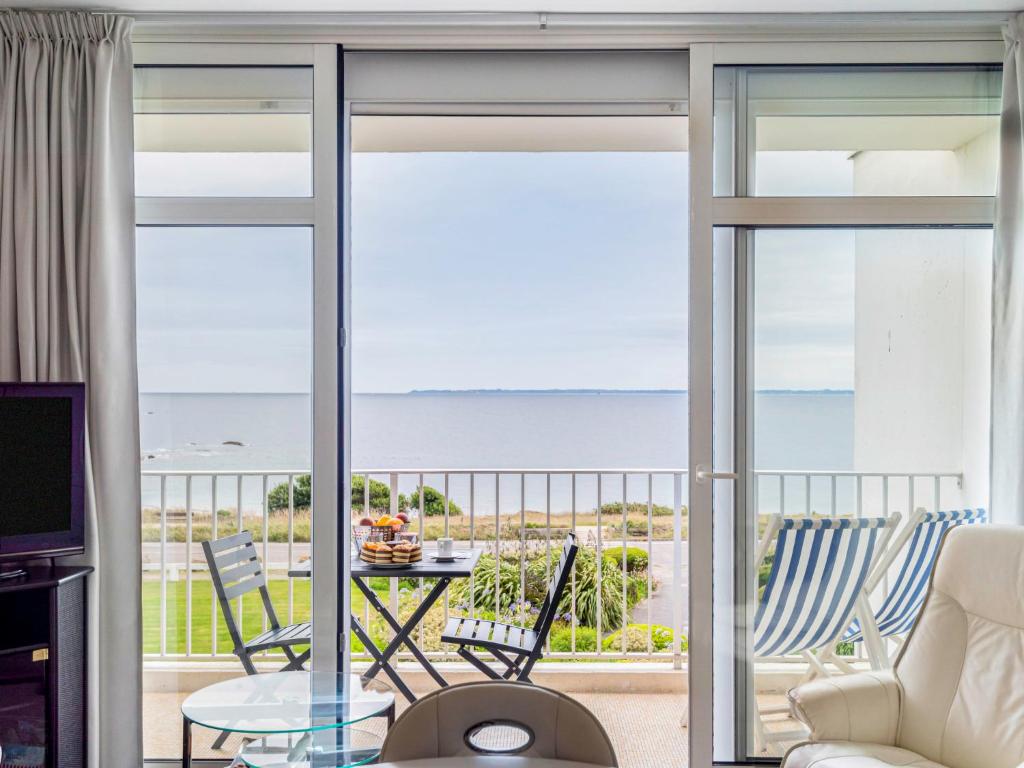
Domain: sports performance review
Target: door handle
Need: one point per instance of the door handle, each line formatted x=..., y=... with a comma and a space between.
x=704, y=474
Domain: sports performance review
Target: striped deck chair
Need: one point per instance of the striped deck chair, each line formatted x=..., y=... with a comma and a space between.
x=819, y=572
x=815, y=586
x=903, y=602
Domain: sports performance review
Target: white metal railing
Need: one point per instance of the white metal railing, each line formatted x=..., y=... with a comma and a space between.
x=509, y=512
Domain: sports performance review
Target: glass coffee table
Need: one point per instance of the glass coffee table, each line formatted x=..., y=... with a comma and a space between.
x=298, y=719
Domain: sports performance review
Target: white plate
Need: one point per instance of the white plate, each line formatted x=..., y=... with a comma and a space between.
x=386, y=566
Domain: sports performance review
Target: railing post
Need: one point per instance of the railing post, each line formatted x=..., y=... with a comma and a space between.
x=392, y=510
x=677, y=570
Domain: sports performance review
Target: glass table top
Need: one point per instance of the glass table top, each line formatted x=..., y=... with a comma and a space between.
x=339, y=748
x=287, y=702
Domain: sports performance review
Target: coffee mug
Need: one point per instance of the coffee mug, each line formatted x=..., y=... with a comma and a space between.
x=445, y=547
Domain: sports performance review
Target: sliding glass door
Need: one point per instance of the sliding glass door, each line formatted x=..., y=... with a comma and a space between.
x=859, y=373
x=519, y=358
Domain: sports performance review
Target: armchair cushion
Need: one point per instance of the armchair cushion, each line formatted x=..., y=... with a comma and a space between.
x=844, y=754
x=860, y=707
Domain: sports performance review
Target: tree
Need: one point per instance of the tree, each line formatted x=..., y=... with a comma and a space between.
x=277, y=499
x=433, y=503
x=380, y=495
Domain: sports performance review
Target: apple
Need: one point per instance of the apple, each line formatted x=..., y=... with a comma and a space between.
x=366, y=521
x=402, y=516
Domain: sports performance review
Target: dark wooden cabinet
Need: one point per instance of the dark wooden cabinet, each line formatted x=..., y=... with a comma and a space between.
x=43, y=668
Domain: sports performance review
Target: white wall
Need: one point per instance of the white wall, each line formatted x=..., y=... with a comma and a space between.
x=923, y=320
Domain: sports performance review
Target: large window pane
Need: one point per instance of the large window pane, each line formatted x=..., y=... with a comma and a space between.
x=869, y=384
x=519, y=302
x=225, y=348
x=223, y=131
x=845, y=131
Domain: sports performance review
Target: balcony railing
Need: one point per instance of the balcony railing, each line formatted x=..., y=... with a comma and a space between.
x=623, y=608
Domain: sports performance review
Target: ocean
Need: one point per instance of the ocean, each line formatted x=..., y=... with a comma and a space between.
x=481, y=430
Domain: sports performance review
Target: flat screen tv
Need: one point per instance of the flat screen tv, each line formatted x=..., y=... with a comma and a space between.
x=42, y=470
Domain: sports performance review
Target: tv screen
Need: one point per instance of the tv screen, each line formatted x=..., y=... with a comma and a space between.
x=41, y=469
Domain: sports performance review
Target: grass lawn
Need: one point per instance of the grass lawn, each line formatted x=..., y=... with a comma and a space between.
x=202, y=601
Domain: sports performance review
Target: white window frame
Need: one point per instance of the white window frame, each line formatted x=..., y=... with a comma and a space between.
x=708, y=349
x=711, y=41
x=330, y=365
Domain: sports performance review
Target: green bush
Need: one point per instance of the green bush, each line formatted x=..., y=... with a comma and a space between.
x=585, y=570
x=483, y=586
x=561, y=638
x=636, y=558
x=635, y=508
x=380, y=495
x=433, y=503
x=586, y=593
x=636, y=639
x=301, y=494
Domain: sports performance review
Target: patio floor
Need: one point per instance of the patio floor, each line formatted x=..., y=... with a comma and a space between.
x=645, y=728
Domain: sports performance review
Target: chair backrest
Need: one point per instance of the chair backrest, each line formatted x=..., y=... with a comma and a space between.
x=235, y=569
x=556, y=587
x=921, y=538
x=498, y=717
x=818, y=572
x=961, y=667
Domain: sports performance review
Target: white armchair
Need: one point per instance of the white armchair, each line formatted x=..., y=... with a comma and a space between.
x=955, y=698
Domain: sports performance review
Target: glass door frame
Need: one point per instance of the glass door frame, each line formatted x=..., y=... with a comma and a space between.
x=319, y=212
x=719, y=355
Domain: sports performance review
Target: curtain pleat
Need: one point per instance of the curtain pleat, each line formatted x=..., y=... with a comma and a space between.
x=67, y=306
x=1008, y=294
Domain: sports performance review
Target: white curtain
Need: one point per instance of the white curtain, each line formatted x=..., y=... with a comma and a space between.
x=1008, y=293
x=67, y=306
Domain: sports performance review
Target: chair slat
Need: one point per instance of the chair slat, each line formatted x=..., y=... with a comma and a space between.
x=239, y=572
x=515, y=636
x=482, y=631
x=230, y=542
x=467, y=629
x=247, y=585
x=240, y=555
x=500, y=633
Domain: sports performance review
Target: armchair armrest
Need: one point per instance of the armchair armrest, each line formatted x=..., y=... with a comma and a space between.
x=860, y=707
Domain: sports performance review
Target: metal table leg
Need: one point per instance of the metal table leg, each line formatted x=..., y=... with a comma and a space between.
x=186, y=743
x=379, y=661
x=403, y=632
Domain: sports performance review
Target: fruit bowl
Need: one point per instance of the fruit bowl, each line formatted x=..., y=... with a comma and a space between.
x=382, y=529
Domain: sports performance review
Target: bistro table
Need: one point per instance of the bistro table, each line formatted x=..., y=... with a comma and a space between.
x=427, y=568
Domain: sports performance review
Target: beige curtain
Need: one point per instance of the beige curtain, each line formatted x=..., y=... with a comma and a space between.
x=1008, y=293
x=67, y=306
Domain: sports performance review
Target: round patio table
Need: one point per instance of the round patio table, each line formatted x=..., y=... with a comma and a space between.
x=283, y=707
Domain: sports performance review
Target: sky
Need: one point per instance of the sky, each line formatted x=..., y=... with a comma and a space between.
x=482, y=271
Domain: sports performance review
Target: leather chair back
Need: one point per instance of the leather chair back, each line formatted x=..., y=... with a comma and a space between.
x=962, y=668
x=442, y=724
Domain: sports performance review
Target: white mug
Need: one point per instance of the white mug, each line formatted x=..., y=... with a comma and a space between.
x=445, y=547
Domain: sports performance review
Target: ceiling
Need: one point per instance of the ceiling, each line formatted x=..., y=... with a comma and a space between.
x=552, y=6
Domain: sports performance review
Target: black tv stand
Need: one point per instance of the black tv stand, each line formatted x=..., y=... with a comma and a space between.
x=43, y=667
x=15, y=573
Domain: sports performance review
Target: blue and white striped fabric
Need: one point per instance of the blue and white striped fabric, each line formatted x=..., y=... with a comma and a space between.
x=899, y=611
x=818, y=572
